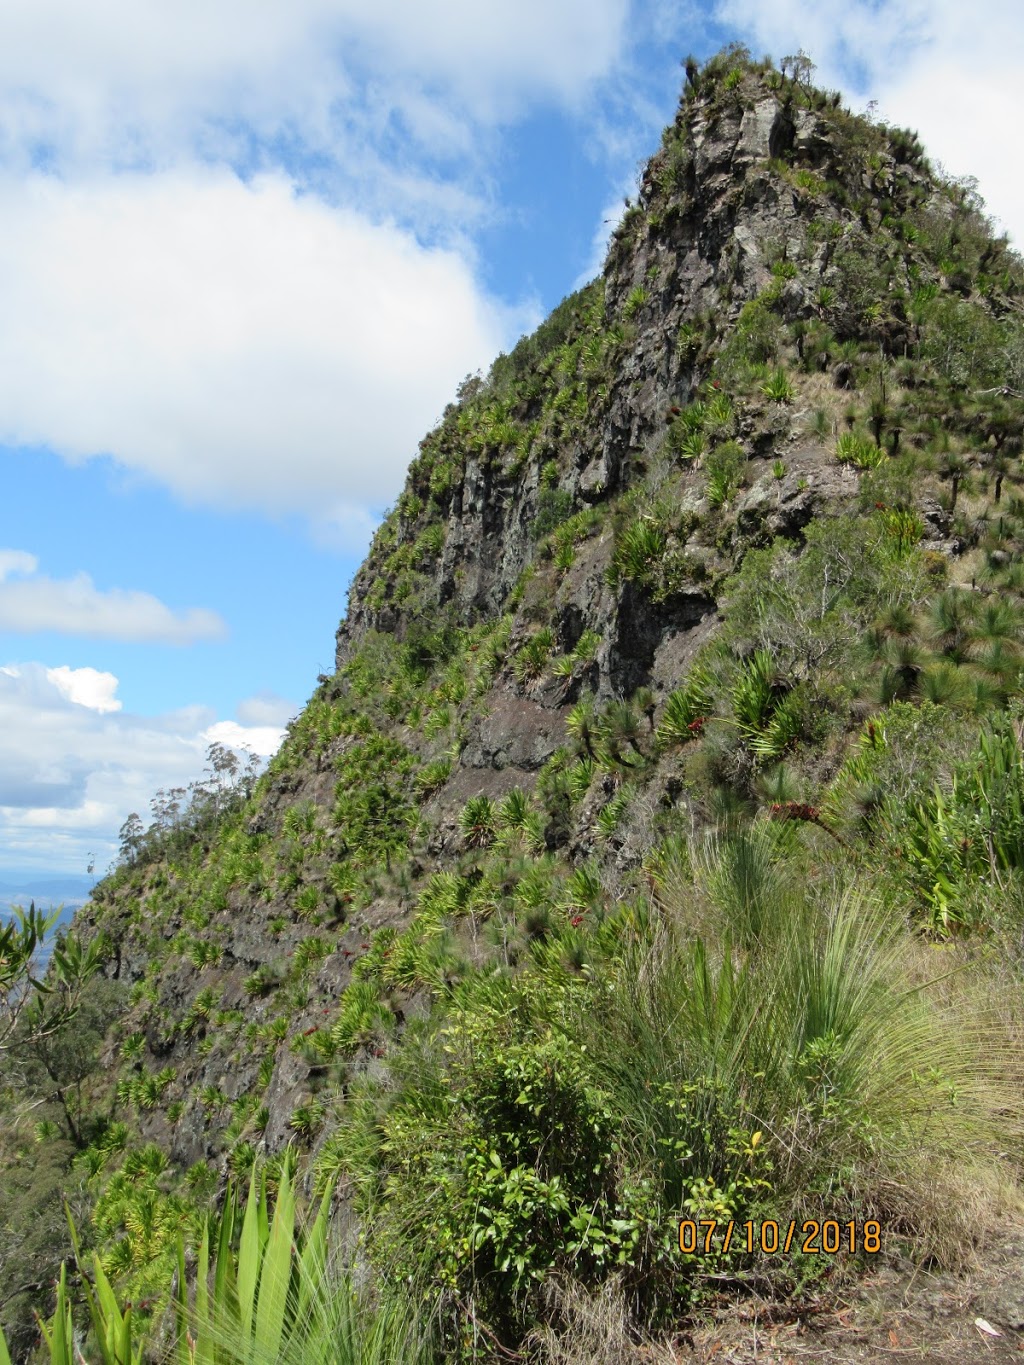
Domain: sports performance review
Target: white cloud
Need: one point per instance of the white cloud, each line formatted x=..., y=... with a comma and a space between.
x=75, y=606
x=17, y=562
x=949, y=70
x=86, y=687
x=138, y=78
x=266, y=708
x=177, y=297
x=241, y=343
x=260, y=739
x=73, y=764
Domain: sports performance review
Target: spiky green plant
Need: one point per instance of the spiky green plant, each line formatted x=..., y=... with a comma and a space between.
x=278, y=1299
x=530, y=660
x=951, y=622
x=478, y=822
x=753, y=692
x=583, y=725
x=778, y=387
x=432, y=777
x=621, y=733
x=693, y=702
x=639, y=550
x=853, y=447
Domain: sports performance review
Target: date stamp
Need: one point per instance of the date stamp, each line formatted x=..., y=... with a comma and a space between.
x=711, y=1236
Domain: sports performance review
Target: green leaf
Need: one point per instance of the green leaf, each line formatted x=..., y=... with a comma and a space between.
x=249, y=1250
x=276, y=1274
x=313, y=1262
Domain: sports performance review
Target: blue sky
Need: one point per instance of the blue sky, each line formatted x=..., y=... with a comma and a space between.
x=247, y=255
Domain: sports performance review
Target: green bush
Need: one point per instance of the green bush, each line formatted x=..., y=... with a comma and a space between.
x=854, y=448
x=639, y=551
x=778, y=387
x=725, y=466
x=691, y=703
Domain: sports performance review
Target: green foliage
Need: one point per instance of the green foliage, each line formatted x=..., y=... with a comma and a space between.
x=554, y=506
x=371, y=803
x=509, y=1165
x=31, y=1008
x=961, y=843
x=635, y=301
x=362, y=1015
x=778, y=387
x=754, y=342
x=639, y=551
x=531, y=658
x=573, y=665
x=725, y=466
x=571, y=533
x=810, y=609
x=854, y=448
x=478, y=822
x=691, y=703
x=432, y=777
x=561, y=1120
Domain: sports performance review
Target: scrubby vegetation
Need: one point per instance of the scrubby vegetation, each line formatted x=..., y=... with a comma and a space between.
x=658, y=854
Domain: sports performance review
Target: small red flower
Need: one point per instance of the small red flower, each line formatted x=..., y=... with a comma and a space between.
x=695, y=726
x=576, y=921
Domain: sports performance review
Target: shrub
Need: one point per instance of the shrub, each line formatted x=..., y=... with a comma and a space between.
x=639, y=551
x=531, y=658
x=478, y=821
x=554, y=506
x=725, y=466
x=854, y=448
x=778, y=387
x=432, y=777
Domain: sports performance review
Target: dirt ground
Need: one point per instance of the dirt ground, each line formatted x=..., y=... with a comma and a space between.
x=895, y=1313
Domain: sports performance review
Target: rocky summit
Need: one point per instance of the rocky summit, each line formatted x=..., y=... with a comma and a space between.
x=629, y=930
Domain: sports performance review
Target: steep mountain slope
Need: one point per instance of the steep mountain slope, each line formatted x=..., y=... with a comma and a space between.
x=701, y=612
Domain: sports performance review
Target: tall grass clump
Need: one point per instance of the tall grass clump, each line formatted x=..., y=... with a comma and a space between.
x=812, y=1020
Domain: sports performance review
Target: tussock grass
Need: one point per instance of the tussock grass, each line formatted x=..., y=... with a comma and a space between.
x=879, y=1073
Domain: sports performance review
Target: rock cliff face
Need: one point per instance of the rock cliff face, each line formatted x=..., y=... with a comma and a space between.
x=754, y=212
x=559, y=557
x=714, y=217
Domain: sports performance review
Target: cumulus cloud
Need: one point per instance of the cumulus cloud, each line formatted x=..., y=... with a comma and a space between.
x=241, y=343
x=75, y=606
x=136, y=80
x=949, y=70
x=74, y=763
x=86, y=687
